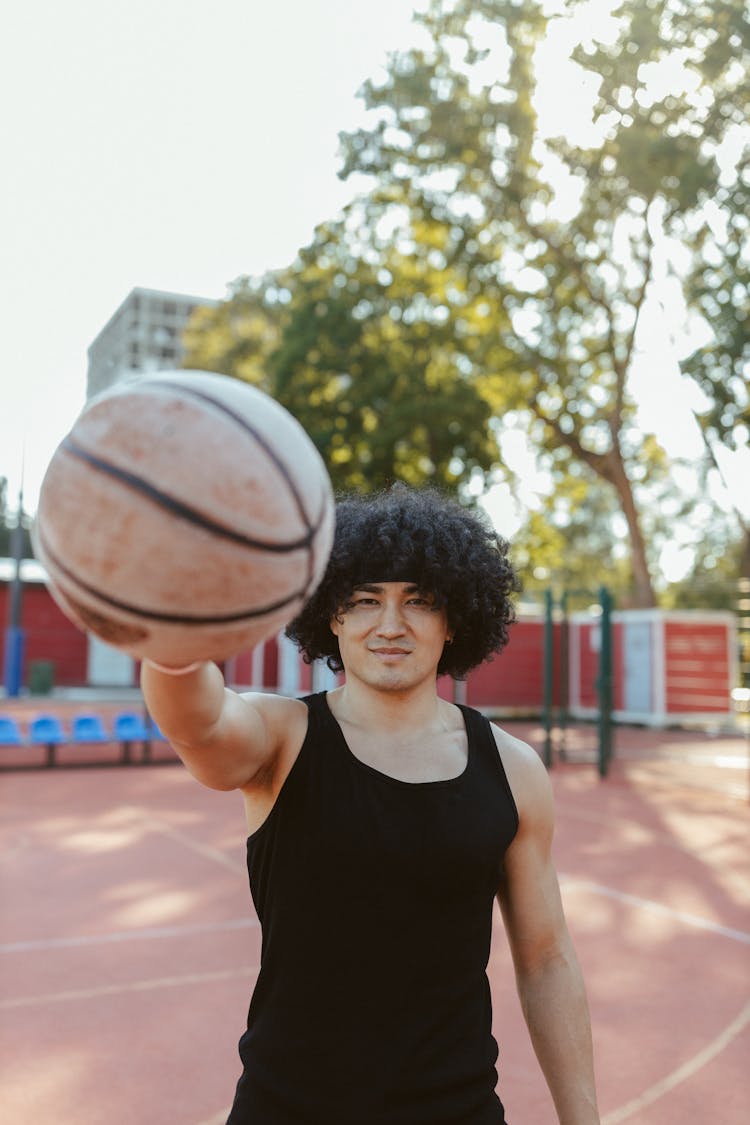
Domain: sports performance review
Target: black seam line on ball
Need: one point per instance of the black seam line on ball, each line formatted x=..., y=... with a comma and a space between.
x=169, y=618
x=194, y=392
x=311, y=560
x=177, y=508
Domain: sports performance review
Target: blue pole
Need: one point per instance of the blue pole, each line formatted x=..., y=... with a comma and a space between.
x=14, y=635
x=15, y=644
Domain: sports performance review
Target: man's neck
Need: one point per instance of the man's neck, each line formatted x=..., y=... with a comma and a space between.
x=415, y=709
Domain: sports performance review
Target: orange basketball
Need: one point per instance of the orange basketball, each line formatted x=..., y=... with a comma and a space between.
x=186, y=516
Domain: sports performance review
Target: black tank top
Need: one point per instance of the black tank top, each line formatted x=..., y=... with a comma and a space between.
x=375, y=897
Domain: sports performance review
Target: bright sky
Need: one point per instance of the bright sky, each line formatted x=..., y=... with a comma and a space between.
x=173, y=145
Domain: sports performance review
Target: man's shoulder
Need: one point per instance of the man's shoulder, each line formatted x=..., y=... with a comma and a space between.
x=513, y=748
x=285, y=720
x=525, y=770
x=271, y=704
x=285, y=717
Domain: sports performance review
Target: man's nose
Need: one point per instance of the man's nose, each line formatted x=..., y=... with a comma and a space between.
x=391, y=623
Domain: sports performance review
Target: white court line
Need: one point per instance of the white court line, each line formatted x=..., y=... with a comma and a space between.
x=682, y=1073
x=205, y=850
x=35, y=945
x=133, y=986
x=663, y=838
x=572, y=883
x=722, y=761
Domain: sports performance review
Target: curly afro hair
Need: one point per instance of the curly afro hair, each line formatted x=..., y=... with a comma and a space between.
x=420, y=536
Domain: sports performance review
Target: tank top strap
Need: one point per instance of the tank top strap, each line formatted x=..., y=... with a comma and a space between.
x=317, y=722
x=484, y=753
x=316, y=704
x=479, y=732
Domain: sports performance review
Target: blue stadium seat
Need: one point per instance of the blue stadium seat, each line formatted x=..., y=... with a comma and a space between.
x=128, y=728
x=89, y=728
x=10, y=734
x=46, y=730
x=129, y=725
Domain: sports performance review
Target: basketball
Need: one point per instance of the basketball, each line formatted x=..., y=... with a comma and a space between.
x=186, y=516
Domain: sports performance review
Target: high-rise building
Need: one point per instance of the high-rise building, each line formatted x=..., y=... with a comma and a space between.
x=143, y=335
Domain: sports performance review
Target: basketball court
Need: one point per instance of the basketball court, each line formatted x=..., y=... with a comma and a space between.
x=129, y=949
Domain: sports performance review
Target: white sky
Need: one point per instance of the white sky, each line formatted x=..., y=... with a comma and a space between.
x=171, y=144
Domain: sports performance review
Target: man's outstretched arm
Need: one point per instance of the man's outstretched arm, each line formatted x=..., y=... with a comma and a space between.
x=225, y=739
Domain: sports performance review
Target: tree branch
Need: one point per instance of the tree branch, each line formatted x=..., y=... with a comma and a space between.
x=621, y=368
x=600, y=463
x=741, y=519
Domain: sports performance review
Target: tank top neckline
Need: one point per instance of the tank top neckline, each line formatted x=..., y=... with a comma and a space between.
x=387, y=778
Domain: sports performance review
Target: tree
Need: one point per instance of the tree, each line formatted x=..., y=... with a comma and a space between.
x=237, y=336
x=493, y=270
x=352, y=340
x=567, y=542
x=457, y=140
x=711, y=582
x=4, y=531
x=570, y=539
x=719, y=290
x=694, y=147
x=7, y=525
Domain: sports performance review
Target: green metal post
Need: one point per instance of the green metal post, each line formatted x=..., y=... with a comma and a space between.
x=604, y=683
x=548, y=663
x=564, y=674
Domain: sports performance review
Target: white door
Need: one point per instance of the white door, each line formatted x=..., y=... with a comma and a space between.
x=638, y=668
x=107, y=666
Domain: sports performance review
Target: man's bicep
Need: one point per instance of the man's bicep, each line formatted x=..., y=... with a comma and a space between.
x=528, y=890
x=240, y=744
x=532, y=912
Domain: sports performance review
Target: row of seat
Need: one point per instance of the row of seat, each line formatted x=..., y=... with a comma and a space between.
x=48, y=731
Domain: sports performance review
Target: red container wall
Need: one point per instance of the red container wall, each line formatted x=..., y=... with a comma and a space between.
x=48, y=636
x=515, y=678
x=305, y=678
x=589, y=665
x=697, y=660
x=698, y=668
x=242, y=669
x=270, y=664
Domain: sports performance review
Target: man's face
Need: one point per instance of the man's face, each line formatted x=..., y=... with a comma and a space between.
x=391, y=635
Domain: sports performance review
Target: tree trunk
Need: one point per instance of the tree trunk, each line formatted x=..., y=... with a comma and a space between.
x=609, y=466
x=745, y=551
x=643, y=590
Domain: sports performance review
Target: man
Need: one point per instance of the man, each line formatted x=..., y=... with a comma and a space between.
x=383, y=822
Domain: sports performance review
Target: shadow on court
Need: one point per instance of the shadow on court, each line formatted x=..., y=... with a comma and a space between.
x=128, y=948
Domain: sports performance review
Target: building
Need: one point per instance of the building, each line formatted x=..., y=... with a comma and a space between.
x=144, y=334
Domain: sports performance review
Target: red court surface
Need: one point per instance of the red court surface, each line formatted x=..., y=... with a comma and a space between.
x=128, y=947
